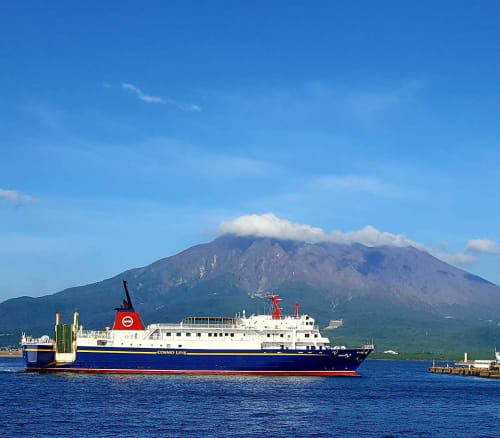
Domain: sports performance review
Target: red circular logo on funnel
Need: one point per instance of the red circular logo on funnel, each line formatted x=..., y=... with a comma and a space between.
x=127, y=321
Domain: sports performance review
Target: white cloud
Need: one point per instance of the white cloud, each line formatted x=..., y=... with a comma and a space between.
x=456, y=259
x=370, y=236
x=142, y=96
x=269, y=225
x=482, y=245
x=14, y=196
x=156, y=99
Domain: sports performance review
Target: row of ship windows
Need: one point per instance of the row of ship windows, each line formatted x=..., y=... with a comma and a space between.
x=199, y=334
x=140, y=345
x=282, y=347
x=228, y=334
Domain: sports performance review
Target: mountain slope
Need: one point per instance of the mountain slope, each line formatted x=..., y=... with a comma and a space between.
x=403, y=297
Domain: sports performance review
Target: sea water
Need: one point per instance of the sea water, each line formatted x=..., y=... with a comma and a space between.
x=391, y=399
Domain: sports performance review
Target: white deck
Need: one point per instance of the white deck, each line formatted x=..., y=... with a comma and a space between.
x=240, y=333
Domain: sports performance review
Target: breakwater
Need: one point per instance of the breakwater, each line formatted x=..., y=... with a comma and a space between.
x=462, y=371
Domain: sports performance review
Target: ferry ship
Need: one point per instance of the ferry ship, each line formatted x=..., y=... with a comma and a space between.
x=273, y=344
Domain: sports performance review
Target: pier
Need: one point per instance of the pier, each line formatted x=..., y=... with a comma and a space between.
x=489, y=369
x=458, y=371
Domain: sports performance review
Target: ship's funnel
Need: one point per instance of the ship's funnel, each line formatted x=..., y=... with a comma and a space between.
x=126, y=317
x=127, y=321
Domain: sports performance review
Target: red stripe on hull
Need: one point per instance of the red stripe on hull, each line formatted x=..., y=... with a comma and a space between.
x=227, y=373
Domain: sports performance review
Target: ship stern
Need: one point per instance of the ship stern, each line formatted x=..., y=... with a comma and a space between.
x=38, y=356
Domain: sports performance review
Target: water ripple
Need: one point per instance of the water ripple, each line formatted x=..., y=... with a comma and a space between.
x=393, y=399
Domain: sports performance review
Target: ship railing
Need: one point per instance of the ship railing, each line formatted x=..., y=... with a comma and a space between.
x=343, y=347
x=101, y=334
x=273, y=317
x=219, y=326
x=32, y=340
x=192, y=326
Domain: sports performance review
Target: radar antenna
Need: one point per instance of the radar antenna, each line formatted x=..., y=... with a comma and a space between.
x=277, y=310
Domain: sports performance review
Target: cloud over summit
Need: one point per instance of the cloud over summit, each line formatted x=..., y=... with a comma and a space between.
x=269, y=225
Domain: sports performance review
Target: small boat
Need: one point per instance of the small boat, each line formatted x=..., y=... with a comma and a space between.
x=272, y=344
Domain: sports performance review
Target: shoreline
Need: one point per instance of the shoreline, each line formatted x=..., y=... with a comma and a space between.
x=15, y=353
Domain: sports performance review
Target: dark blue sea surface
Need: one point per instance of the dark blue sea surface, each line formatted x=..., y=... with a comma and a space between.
x=392, y=399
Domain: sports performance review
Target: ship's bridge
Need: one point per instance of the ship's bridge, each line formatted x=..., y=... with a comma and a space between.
x=287, y=322
x=208, y=321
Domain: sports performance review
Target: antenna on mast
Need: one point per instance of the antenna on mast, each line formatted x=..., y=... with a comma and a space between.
x=127, y=304
x=277, y=310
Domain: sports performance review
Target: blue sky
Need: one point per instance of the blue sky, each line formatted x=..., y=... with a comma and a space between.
x=130, y=130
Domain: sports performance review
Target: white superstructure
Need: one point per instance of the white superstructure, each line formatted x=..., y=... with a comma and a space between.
x=239, y=333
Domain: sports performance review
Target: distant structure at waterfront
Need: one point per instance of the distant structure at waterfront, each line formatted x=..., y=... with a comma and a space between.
x=334, y=324
x=478, y=368
x=485, y=364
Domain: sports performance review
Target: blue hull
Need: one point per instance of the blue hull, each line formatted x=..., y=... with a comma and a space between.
x=183, y=361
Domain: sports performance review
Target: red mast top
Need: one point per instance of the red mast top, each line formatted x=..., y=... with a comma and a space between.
x=277, y=310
